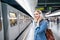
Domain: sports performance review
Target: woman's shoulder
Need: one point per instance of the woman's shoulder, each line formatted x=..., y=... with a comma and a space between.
x=44, y=21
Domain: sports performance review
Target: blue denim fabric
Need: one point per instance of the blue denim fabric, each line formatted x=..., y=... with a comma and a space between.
x=39, y=33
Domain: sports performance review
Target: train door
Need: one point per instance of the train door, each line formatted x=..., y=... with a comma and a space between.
x=21, y=22
x=1, y=24
x=10, y=17
x=13, y=22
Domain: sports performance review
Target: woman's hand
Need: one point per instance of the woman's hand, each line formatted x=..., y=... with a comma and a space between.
x=37, y=20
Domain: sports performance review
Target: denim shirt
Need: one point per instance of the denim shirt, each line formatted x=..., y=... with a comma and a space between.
x=39, y=33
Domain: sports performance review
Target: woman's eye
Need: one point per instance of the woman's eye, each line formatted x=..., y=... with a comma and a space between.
x=36, y=14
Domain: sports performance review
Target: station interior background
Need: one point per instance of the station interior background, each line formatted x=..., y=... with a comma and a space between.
x=25, y=9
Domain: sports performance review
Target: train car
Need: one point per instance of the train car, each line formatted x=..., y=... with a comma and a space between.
x=1, y=24
x=14, y=21
x=23, y=21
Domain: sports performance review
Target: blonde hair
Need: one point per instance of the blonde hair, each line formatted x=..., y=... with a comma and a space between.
x=40, y=12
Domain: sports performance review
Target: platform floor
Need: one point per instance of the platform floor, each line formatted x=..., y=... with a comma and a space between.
x=28, y=33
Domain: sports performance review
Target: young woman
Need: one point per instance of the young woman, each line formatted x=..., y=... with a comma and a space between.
x=40, y=26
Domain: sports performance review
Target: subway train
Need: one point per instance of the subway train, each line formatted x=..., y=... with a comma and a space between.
x=12, y=22
x=1, y=25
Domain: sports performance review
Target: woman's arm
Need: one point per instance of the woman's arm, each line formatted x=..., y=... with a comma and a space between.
x=42, y=27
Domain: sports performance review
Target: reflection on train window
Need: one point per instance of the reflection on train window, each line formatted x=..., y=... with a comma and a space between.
x=21, y=18
x=13, y=19
x=0, y=24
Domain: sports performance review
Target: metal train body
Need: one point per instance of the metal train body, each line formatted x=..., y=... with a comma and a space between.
x=14, y=22
x=1, y=24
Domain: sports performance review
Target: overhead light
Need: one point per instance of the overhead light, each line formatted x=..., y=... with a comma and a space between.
x=53, y=14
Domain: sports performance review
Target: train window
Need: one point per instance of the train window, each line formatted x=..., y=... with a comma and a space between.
x=21, y=17
x=13, y=19
x=0, y=24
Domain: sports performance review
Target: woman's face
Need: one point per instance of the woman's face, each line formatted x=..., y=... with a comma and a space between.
x=36, y=15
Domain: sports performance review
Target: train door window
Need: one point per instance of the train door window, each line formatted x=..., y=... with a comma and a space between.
x=0, y=24
x=21, y=18
x=13, y=19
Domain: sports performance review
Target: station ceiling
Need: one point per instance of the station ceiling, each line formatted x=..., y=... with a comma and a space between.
x=48, y=5
x=45, y=5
